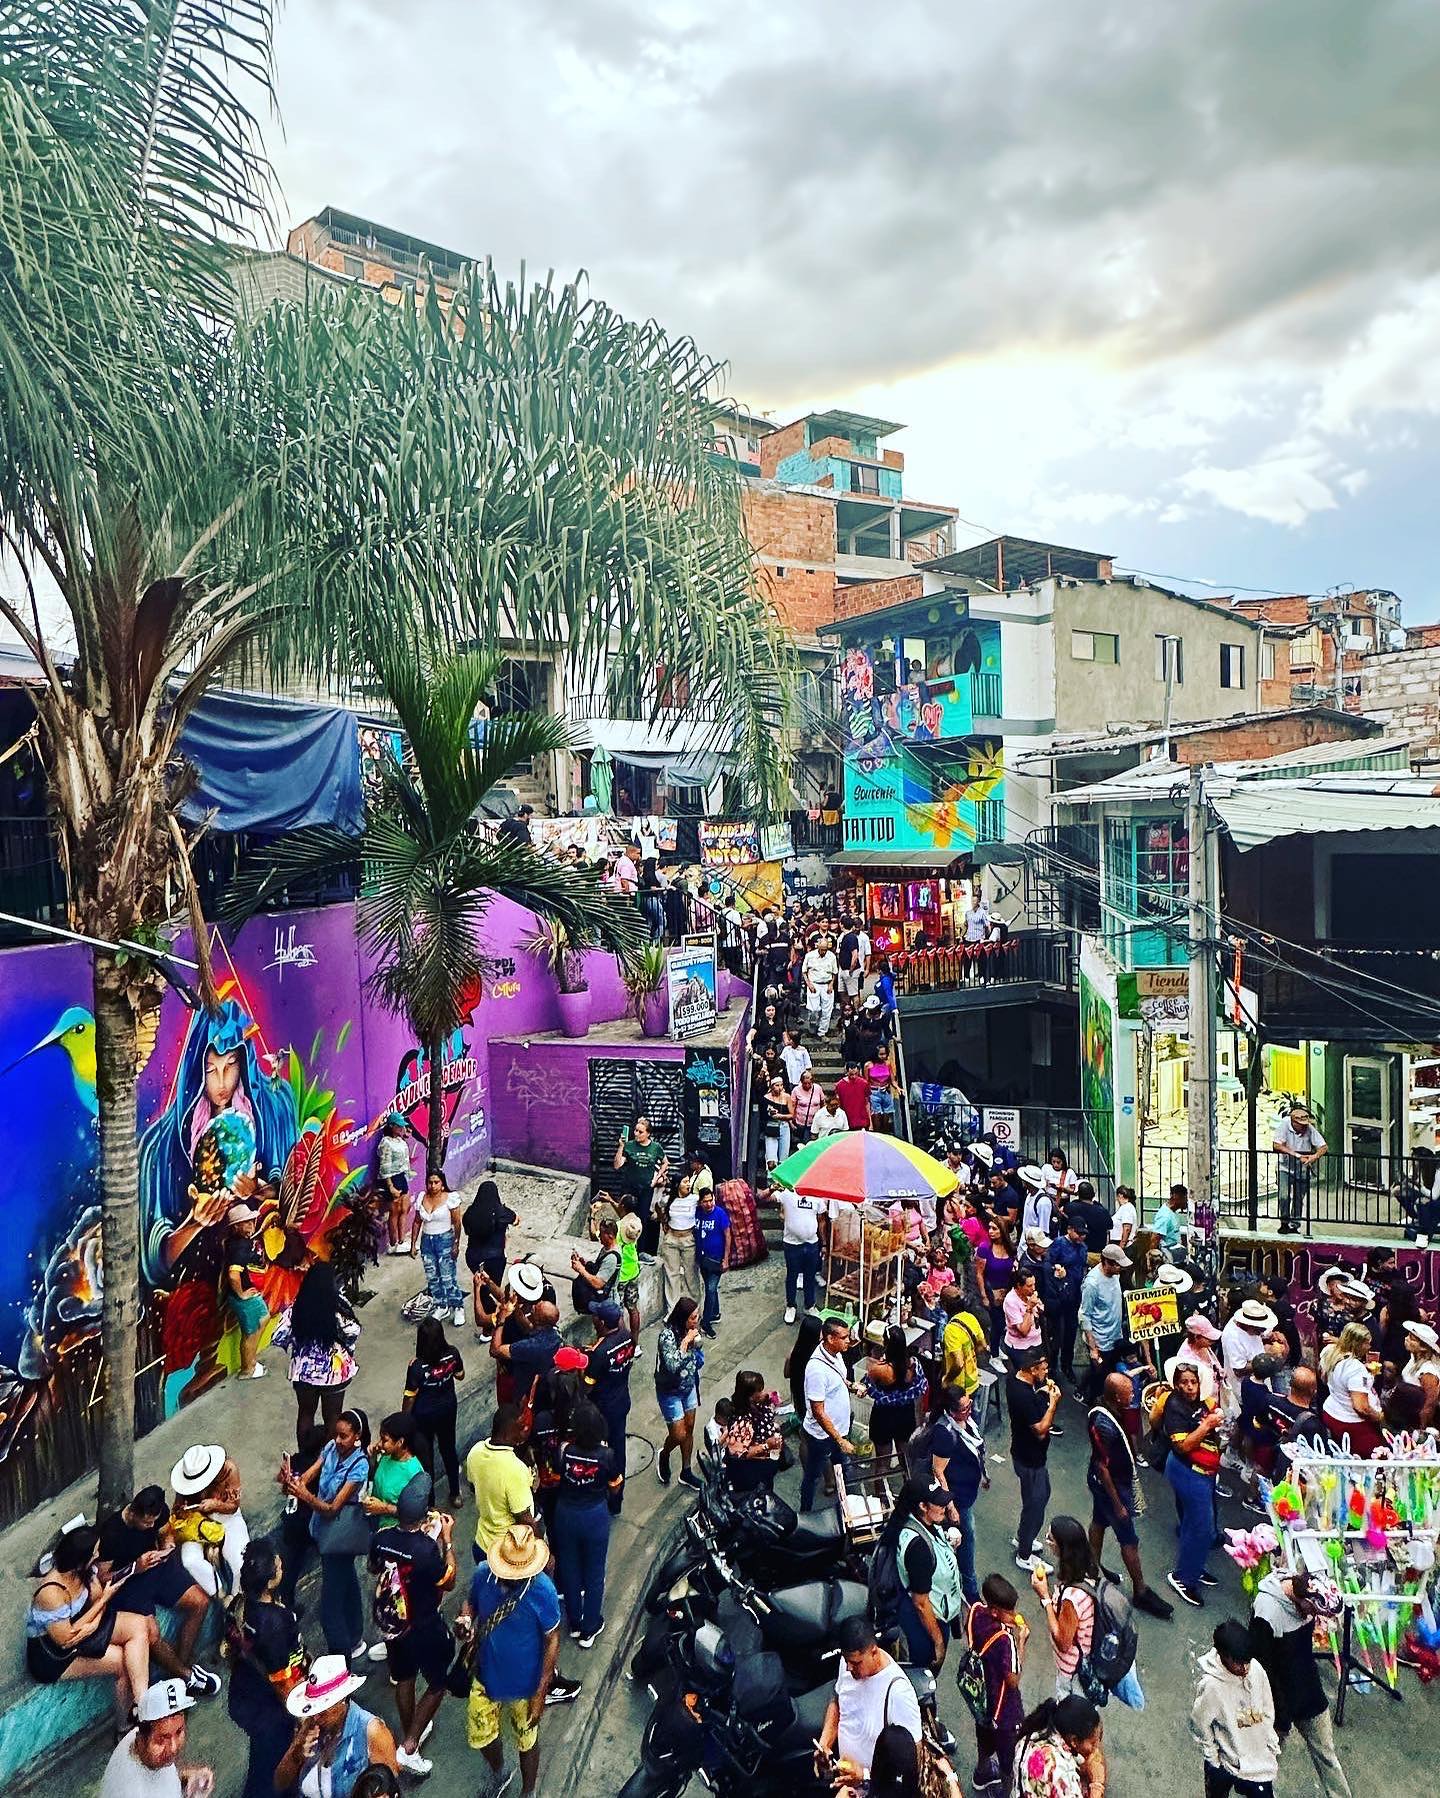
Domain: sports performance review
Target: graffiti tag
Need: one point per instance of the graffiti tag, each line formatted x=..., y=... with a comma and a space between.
x=289, y=953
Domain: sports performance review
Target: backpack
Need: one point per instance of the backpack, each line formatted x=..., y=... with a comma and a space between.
x=391, y=1605
x=583, y=1295
x=1114, y=1640
x=970, y=1674
x=886, y=1587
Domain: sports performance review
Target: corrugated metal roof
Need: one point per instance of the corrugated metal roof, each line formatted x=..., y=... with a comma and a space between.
x=1256, y=812
x=928, y=860
x=1385, y=756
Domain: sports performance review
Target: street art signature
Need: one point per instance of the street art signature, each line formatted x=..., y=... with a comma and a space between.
x=290, y=954
x=1298, y=1265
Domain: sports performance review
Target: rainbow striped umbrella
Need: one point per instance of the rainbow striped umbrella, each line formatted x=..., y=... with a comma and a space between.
x=860, y=1165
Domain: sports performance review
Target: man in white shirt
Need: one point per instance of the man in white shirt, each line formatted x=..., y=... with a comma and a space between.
x=1242, y=1339
x=827, y=1407
x=1298, y=1146
x=627, y=875
x=853, y=957
x=820, y=970
x=144, y=1763
x=795, y=1057
x=830, y=1120
x=800, y=1239
x=872, y=1692
x=977, y=919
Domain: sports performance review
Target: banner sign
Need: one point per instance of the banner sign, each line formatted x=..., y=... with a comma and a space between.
x=729, y=842
x=1003, y=1123
x=691, y=983
x=1152, y=1312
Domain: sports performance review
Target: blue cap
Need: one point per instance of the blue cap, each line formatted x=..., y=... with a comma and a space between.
x=395, y=1118
x=606, y=1312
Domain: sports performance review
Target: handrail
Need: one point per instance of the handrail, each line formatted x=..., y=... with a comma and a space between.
x=747, y=1101
x=903, y=1078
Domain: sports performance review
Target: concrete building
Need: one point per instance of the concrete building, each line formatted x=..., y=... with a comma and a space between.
x=360, y=249
x=1401, y=689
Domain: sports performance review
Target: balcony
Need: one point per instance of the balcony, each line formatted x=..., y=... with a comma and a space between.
x=811, y=835
x=990, y=821
x=31, y=884
x=1337, y=992
x=1028, y=965
x=672, y=708
x=986, y=700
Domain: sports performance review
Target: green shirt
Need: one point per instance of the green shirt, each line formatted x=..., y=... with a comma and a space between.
x=629, y=1260
x=641, y=1161
x=392, y=1477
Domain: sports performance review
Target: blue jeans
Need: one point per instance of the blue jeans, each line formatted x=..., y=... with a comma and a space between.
x=1195, y=1501
x=440, y=1271
x=802, y=1266
x=965, y=1554
x=820, y=1453
x=582, y=1536
x=342, y=1615
x=917, y=1637
x=780, y=1133
x=710, y=1305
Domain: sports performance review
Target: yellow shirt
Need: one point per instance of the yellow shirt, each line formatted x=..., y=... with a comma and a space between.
x=502, y=1490
x=963, y=1336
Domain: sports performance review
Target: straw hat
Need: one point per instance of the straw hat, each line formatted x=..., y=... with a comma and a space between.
x=1178, y=1279
x=196, y=1469
x=983, y=1152
x=1031, y=1175
x=1357, y=1289
x=1323, y=1279
x=1252, y=1315
x=1425, y=1333
x=328, y=1683
x=525, y=1281
x=518, y=1554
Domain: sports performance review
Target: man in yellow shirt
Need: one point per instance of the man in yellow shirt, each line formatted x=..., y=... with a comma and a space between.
x=964, y=1341
x=503, y=1492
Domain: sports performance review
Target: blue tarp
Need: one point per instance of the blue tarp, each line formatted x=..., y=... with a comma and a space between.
x=268, y=766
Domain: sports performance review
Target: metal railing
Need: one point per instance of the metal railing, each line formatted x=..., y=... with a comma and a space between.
x=809, y=833
x=641, y=707
x=1038, y=957
x=31, y=883
x=990, y=821
x=986, y=700
x=1327, y=985
x=1369, y=1192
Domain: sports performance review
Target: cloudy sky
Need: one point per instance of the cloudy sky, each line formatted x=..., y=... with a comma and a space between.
x=1162, y=281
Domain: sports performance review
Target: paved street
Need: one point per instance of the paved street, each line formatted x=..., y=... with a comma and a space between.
x=592, y=1746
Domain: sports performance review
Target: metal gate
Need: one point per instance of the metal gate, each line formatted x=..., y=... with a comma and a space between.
x=621, y=1091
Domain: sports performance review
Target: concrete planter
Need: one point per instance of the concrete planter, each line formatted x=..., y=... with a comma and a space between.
x=575, y=1013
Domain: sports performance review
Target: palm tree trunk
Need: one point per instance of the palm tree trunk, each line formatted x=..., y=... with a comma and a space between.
x=435, y=1138
x=115, y=1084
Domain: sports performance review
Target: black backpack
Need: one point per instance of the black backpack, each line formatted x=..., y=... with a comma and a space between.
x=1114, y=1640
x=886, y=1587
x=583, y=1295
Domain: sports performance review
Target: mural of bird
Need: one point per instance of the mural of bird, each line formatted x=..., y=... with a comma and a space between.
x=74, y=1032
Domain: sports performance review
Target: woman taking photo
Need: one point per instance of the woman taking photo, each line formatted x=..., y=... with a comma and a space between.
x=262, y=1641
x=751, y=1439
x=1190, y=1425
x=779, y=1120
x=431, y=1399
x=331, y=1490
x=73, y=1629
x=897, y=1387
x=677, y=1387
x=1351, y=1409
x=1058, y=1754
x=1070, y=1609
x=320, y=1331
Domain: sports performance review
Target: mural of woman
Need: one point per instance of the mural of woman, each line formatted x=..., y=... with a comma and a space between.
x=227, y=1120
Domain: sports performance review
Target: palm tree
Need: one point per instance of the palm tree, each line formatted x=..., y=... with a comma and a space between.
x=183, y=481
x=429, y=874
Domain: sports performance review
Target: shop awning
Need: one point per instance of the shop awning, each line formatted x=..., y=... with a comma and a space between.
x=1257, y=812
x=929, y=861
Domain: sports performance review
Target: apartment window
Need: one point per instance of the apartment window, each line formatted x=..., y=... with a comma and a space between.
x=1170, y=660
x=354, y=268
x=864, y=479
x=1094, y=646
x=1267, y=660
x=1232, y=665
x=781, y=573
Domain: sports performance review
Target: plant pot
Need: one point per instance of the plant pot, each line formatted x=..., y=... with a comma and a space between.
x=575, y=1013
x=655, y=1013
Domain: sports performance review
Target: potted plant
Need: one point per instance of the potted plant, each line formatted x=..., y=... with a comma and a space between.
x=565, y=958
x=645, y=974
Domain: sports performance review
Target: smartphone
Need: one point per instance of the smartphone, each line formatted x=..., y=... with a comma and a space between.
x=119, y=1574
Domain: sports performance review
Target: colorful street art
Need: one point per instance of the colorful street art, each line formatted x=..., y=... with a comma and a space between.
x=1097, y=1068
x=915, y=690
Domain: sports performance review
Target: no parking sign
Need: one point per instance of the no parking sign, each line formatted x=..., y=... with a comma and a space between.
x=1003, y=1123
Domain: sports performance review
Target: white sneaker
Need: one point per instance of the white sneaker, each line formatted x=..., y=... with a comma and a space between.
x=378, y=1651
x=789, y=1314
x=413, y=1763
x=459, y=1316
x=1034, y=1564
x=257, y=1372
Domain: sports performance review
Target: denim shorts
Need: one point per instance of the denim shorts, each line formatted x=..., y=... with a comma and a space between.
x=250, y=1311
x=675, y=1405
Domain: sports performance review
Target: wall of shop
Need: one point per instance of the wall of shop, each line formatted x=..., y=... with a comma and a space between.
x=1298, y=1263
x=291, y=1079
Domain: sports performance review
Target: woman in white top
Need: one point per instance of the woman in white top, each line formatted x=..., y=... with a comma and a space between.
x=1126, y=1219
x=1351, y=1408
x=1059, y=1177
x=435, y=1237
x=1422, y=1342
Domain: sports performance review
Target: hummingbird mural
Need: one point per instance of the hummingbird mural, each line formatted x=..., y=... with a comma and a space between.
x=74, y=1032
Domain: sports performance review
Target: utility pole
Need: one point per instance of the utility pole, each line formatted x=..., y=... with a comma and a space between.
x=1201, y=1098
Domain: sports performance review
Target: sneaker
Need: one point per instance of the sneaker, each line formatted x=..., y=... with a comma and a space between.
x=257, y=1372
x=397, y=1248
x=378, y=1651
x=359, y=1652
x=1208, y=1579
x=1188, y=1593
x=202, y=1683
x=594, y=1636
x=562, y=1691
x=789, y=1314
x=413, y=1763
x=691, y=1479
x=1033, y=1564
x=1056, y=1429
x=1223, y=1491
x=574, y=1635
x=705, y=1330
x=506, y=1779
x=662, y=1472
x=1154, y=1605
x=458, y=1317
x=1254, y=1507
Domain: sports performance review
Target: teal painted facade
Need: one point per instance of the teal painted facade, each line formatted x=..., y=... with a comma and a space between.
x=804, y=470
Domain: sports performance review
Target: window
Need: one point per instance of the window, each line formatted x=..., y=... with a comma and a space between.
x=1094, y=646
x=1305, y=650
x=864, y=479
x=1232, y=664
x=1267, y=660
x=354, y=268
x=1170, y=660
x=781, y=573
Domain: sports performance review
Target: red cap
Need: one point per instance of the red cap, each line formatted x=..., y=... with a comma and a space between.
x=571, y=1360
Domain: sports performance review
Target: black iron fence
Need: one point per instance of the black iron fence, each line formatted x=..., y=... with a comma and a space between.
x=1037, y=957
x=1263, y=1189
x=811, y=835
x=31, y=884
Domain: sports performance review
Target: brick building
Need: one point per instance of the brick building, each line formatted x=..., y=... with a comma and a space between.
x=1401, y=689
x=359, y=249
x=1308, y=637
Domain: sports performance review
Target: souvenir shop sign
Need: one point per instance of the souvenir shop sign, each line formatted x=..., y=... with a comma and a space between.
x=691, y=982
x=897, y=802
x=728, y=842
x=1152, y=1312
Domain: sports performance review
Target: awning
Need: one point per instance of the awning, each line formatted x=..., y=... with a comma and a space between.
x=932, y=861
x=267, y=766
x=1258, y=812
x=684, y=753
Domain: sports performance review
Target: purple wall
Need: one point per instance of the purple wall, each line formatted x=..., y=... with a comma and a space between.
x=540, y=1096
